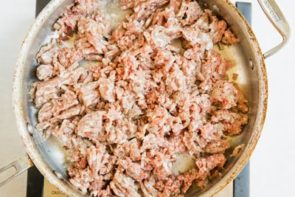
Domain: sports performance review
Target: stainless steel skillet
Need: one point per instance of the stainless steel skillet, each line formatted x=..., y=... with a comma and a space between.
x=48, y=157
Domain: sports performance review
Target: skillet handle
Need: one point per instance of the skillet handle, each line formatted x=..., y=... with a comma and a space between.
x=278, y=20
x=20, y=165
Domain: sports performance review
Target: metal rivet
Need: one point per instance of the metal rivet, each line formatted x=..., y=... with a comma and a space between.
x=59, y=175
x=30, y=129
x=251, y=64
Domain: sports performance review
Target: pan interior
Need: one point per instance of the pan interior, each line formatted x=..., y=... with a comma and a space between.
x=242, y=55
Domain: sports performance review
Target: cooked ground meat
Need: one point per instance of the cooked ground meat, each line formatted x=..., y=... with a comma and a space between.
x=125, y=100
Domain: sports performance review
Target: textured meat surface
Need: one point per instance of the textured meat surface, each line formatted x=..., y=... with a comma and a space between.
x=126, y=100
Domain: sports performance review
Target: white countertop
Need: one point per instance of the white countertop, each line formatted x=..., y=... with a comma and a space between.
x=16, y=17
x=272, y=163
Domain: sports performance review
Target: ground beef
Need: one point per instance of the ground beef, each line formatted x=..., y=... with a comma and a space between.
x=124, y=101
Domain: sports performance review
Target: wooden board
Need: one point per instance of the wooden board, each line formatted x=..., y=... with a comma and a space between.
x=52, y=191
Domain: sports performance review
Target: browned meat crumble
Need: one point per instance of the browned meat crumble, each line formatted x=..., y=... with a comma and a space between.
x=126, y=100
